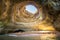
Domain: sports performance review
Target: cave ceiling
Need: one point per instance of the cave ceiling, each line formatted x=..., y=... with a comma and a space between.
x=14, y=13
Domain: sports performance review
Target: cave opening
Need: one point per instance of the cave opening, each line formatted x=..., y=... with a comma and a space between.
x=31, y=9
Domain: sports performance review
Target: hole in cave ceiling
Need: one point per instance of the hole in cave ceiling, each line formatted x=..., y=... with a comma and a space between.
x=31, y=9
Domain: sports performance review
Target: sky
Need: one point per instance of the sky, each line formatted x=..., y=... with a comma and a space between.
x=31, y=8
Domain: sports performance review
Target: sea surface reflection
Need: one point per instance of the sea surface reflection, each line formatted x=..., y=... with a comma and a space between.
x=32, y=36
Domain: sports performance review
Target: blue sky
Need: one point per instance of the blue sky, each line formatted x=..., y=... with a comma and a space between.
x=31, y=8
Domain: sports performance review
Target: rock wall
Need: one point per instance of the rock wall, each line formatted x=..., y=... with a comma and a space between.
x=50, y=8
